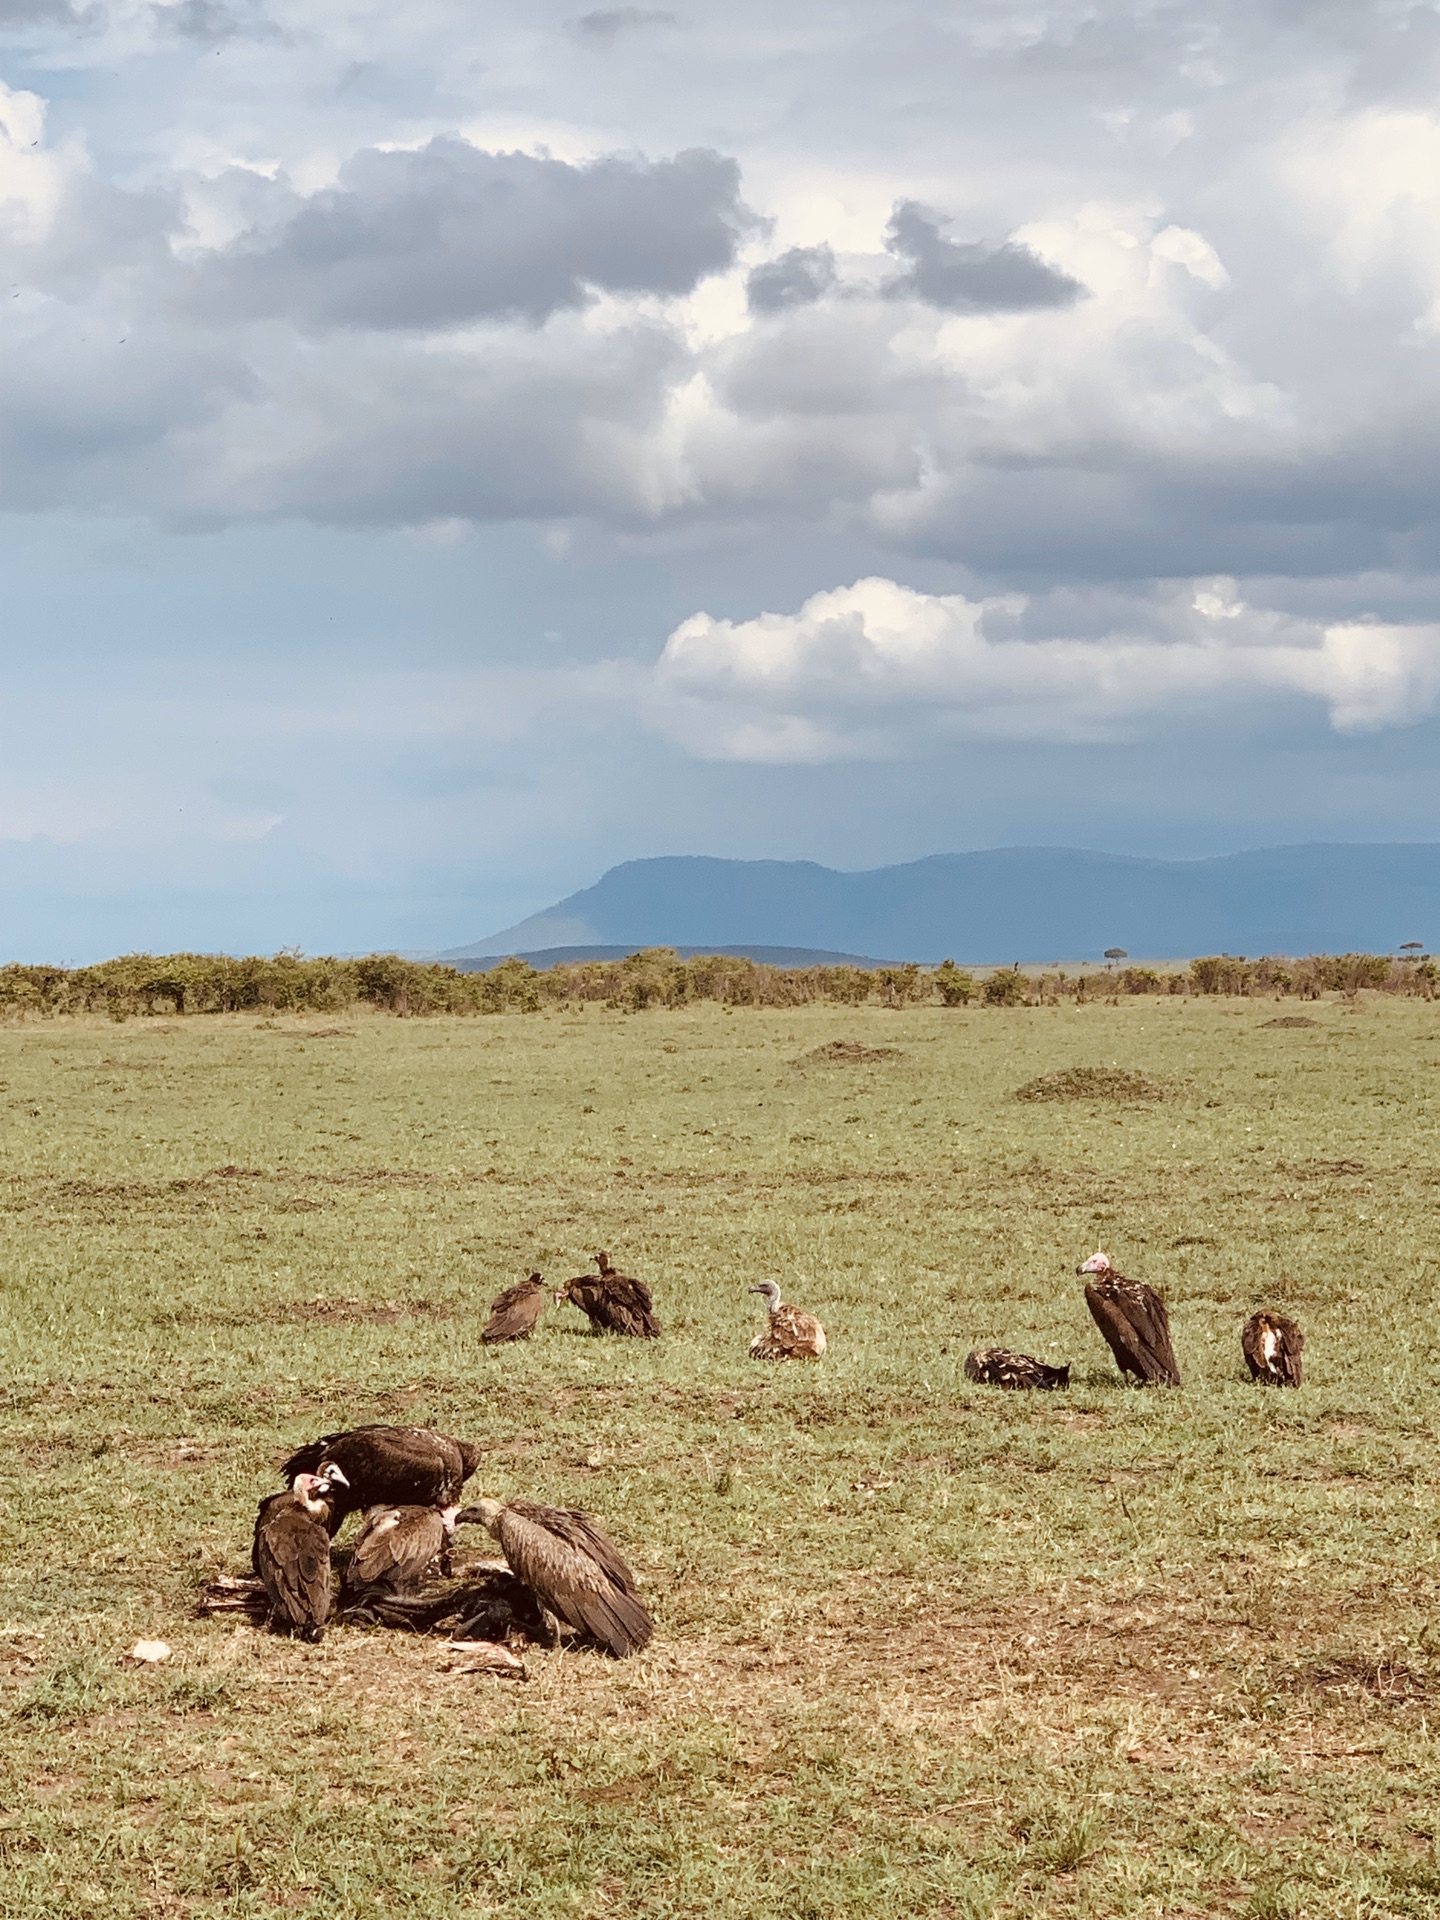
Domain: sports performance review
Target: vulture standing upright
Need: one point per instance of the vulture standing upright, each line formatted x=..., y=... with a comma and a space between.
x=614, y=1302
x=1272, y=1345
x=998, y=1367
x=516, y=1312
x=394, y=1548
x=291, y=1555
x=1133, y=1319
x=383, y=1466
x=571, y=1566
x=789, y=1334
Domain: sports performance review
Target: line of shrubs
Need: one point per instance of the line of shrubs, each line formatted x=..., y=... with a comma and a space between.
x=184, y=983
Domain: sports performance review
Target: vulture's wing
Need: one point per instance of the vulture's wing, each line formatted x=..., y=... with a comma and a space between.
x=1252, y=1346
x=1292, y=1346
x=292, y=1558
x=395, y=1546
x=307, y=1459
x=631, y=1307
x=1115, y=1328
x=515, y=1313
x=1136, y=1326
x=571, y=1565
x=801, y=1334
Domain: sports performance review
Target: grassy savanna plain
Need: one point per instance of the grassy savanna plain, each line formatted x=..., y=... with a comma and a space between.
x=923, y=1648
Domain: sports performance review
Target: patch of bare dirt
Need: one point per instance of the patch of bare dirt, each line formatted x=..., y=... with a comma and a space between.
x=847, y=1053
x=1093, y=1083
x=1291, y=1020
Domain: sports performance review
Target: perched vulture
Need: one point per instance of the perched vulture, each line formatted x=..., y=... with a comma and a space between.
x=516, y=1312
x=571, y=1566
x=790, y=1334
x=1133, y=1319
x=998, y=1367
x=1272, y=1345
x=395, y=1546
x=387, y=1466
x=614, y=1302
x=291, y=1555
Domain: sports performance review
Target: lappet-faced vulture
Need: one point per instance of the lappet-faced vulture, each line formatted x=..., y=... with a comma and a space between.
x=572, y=1567
x=1133, y=1319
x=614, y=1302
x=789, y=1334
x=388, y=1466
x=998, y=1367
x=516, y=1312
x=1272, y=1345
x=291, y=1555
x=395, y=1547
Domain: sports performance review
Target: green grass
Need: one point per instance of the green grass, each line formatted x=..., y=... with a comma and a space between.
x=923, y=1648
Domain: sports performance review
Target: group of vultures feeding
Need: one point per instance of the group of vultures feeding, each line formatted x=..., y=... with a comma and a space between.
x=562, y=1575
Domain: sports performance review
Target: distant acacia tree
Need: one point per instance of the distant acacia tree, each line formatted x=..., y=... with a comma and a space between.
x=1112, y=954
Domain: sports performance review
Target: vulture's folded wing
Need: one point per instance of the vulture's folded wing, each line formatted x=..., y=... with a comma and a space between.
x=554, y=1552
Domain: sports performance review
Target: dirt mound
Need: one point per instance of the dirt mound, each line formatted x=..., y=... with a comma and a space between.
x=1092, y=1083
x=1291, y=1020
x=847, y=1053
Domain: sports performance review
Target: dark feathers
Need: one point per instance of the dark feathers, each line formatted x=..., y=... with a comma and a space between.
x=574, y=1569
x=388, y=1466
x=614, y=1302
x=291, y=1555
x=1136, y=1326
x=516, y=1312
x=998, y=1367
x=394, y=1548
x=1272, y=1345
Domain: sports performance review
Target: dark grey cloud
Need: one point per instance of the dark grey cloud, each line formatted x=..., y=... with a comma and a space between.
x=449, y=233
x=25, y=13
x=796, y=279
x=973, y=276
x=605, y=25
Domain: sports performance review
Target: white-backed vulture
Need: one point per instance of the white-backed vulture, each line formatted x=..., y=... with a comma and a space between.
x=395, y=1547
x=515, y=1313
x=998, y=1367
x=388, y=1466
x=1272, y=1345
x=1134, y=1322
x=614, y=1302
x=572, y=1567
x=291, y=1555
x=789, y=1334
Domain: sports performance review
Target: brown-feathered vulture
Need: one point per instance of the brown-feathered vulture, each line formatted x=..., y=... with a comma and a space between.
x=291, y=1555
x=789, y=1334
x=395, y=1546
x=1133, y=1319
x=572, y=1567
x=516, y=1312
x=614, y=1302
x=998, y=1367
x=380, y=1466
x=1272, y=1345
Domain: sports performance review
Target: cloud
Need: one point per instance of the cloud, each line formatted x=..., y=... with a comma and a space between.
x=605, y=25
x=975, y=277
x=876, y=670
x=448, y=233
x=798, y=278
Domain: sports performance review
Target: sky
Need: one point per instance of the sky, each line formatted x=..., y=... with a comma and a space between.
x=448, y=449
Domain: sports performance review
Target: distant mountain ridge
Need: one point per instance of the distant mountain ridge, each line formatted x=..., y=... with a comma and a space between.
x=1033, y=904
x=546, y=957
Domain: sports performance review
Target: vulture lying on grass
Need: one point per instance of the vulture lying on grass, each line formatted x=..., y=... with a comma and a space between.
x=489, y=1604
x=572, y=1567
x=395, y=1547
x=789, y=1333
x=291, y=1555
x=614, y=1302
x=516, y=1312
x=383, y=1466
x=998, y=1367
x=1272, y=1345
x=1133, y=1319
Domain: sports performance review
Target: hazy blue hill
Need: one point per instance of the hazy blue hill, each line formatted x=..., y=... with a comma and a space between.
x=1014, y=903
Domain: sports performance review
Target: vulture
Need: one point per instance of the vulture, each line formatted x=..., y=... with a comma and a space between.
x=516, y=1312
x=1272, y=1345
x=614, y=1301
x=387, y=1466
x=489, y=1604
x=394, y=1548
x=1133, y=1319
x=291, y=1555
x=998, y=1367
x=790, y=1334
x=571, y=1566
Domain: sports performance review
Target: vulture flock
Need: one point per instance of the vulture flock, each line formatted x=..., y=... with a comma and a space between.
x=561, y=1572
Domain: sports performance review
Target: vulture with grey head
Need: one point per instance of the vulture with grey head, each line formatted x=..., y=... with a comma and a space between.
x=613, y=1301
x=789, y=1334
x=572, y=1567
x=1133, y=1319
x=291, y=1555
x=516, y=1312
x=387, y=1466
x=1272, y=1345
x=395, y=1548
x=998, y=1367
